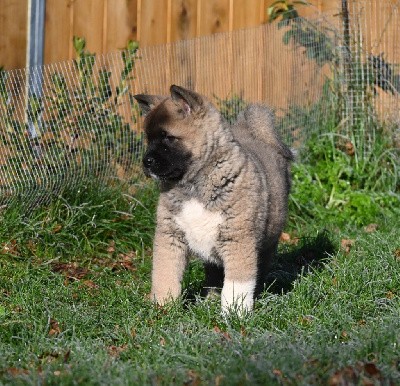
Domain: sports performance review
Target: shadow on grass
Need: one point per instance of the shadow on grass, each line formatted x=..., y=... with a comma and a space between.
x=309, y=254
x=286, y=267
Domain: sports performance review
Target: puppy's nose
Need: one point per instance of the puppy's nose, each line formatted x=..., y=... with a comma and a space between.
x=148, y=161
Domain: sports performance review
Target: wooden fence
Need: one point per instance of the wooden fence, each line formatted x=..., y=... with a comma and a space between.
x=108, y=24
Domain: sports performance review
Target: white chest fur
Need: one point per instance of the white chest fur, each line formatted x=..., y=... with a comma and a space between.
x=200, y=226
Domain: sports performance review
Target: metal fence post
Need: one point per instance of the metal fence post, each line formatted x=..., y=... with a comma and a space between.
x=34, y=67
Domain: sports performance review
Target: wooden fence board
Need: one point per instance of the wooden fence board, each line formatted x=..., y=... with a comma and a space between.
x=152, y=22
x=247, y=13
x=58, y=34
x=183, y=22
x=13, y=27
x=89, y=23
x=108, y=24
x=213, y=17
x=121, y=23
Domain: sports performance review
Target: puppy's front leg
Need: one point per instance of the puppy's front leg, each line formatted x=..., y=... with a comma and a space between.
x=240, y=266
x=169, y=262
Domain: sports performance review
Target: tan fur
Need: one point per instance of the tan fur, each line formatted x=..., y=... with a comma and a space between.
x=223, y=195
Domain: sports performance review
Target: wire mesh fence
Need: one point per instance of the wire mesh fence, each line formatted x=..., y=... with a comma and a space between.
x=63, y=123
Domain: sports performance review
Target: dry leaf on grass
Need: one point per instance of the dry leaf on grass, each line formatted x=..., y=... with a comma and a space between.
x=115, y=351
x=10, y=248
x=349, y=147
x=346, y=245
x=288, y=239
x=15, y=371
x=370, y=228
x=54, y=328
x=111, y=247
x=277, y=372
x=223, y=334
x=361, y=373
x=193, y=379
x=90, y=284
x=70, y=270
x=57, y=228
x=124, y=261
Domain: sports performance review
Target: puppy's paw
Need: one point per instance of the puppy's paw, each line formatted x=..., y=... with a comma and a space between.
x=237, y=297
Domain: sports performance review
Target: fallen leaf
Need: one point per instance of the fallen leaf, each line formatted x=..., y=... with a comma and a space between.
x=57, y=228
x=162, y=341
x=121, y=218
x=224, y=334
x=349, y=148
x=397, y=254
x=359, y=374
x=345, y=376
x=111, y=247
x=124, y=262
x=390, y=295
x=277, y=372
x=346, y=245
x=70, y=270
x=193, y=378
x=285, y=237
x=10, y=248
x=90, y=284
x=370, y=228
x=344, y=335
x=372, y=370
x=32, y=245
x=115, y=351
x=313, y=362
x=54, y=328
x=218, y=380
x=306, y=320
x=15, y=371
x=67, y=356
x=49, y=357
x=288, y=239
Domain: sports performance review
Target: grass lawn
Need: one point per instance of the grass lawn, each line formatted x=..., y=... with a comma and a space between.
x=74, y=279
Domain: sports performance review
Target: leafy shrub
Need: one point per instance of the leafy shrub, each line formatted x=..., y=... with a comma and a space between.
x=76, y=129
x=332, y=184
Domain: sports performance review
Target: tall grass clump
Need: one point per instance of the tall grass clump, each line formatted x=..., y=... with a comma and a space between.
x=86, y=221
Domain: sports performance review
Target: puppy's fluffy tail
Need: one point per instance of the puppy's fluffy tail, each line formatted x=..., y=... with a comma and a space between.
x=260, y=123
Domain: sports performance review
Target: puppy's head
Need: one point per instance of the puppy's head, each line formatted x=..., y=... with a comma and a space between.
x=172, y=131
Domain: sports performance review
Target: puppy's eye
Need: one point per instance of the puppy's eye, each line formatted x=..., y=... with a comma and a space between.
x=167, y=137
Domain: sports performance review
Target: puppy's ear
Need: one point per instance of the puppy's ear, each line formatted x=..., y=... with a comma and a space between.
x=148, y=102
x=188, y=100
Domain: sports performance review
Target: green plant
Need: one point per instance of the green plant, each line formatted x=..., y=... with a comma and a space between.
x=311, y=35
x=354, y=74
x=80, y=129
x=96, y=127
x=331, y=183
x=349, y=171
